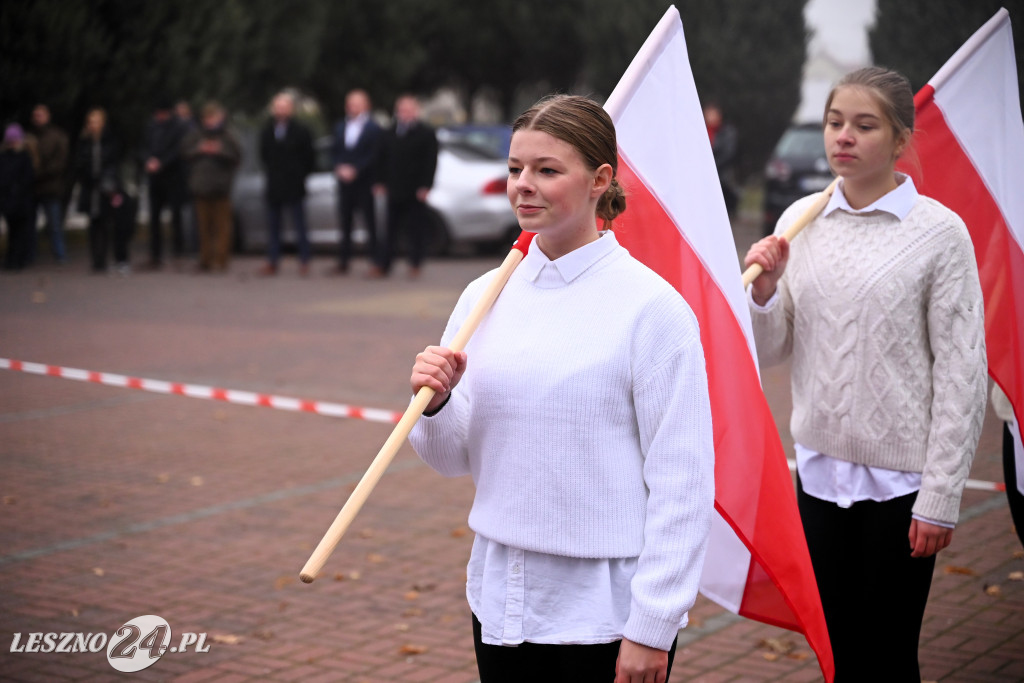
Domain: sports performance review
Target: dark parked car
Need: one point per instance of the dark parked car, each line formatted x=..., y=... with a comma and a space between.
x=798, y=167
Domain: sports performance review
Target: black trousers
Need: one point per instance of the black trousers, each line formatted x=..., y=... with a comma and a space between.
x=873, y=592
x=1013, y=496
x=164, y=192
x=548, y=663
x=411, y=218
x=356, y=196
x=110, y=226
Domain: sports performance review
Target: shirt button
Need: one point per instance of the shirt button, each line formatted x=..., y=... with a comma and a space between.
x=515, y=568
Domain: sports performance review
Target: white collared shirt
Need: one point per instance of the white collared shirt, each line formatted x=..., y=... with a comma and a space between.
x=839, y=481
x=354, y=128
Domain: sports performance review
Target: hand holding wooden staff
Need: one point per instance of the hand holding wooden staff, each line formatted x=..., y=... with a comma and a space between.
x=771, y=254
x=412, y=414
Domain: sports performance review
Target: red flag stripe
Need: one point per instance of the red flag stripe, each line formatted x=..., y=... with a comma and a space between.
x=951, y=177
x=743, y=424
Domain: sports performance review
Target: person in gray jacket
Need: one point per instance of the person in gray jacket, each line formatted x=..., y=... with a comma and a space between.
x=212, y=153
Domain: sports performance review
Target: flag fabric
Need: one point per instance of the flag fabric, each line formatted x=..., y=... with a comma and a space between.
x=969, y=140
x=757, y=562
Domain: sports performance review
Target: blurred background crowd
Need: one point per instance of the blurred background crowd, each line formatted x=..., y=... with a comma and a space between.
x=144, y=120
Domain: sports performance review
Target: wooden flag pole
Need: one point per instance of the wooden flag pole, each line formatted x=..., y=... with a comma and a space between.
x=751, y=273
x=412, y=414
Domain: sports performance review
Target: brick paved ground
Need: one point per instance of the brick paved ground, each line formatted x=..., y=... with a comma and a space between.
x=118, y=503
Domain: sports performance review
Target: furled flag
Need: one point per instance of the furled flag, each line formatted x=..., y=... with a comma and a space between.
x=970, y=143
x=757, y=561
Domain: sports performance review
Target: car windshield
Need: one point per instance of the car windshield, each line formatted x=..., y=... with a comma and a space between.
x=801, y=143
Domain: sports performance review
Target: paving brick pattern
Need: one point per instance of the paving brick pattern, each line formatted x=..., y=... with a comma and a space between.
x=118, y=503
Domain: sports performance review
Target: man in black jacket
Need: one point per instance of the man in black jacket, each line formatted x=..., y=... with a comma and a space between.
x=286, y=150
x=407, y=166
x=161, y=146
x=356, y=148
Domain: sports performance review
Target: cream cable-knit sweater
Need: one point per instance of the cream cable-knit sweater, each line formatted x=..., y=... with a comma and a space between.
x=584, y=419
x=884, y=321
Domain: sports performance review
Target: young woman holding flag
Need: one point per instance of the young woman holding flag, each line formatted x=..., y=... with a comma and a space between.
x=879, y=305
x=580, y=407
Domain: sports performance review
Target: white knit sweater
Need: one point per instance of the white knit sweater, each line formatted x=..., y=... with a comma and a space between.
x=584, y=419
x=884, y=321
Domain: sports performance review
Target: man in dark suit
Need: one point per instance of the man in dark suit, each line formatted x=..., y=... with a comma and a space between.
x=160, y=156
x=286, y=150
x=356, y=148
x=407, y=165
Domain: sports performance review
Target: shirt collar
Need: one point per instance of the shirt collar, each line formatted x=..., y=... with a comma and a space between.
x=572, y=265
x=897, y=202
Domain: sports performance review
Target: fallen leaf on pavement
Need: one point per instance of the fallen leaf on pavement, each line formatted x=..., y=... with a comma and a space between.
x=1015, y=576
x=226, y=638
x=339, y=577
x=366, y=533
x=401, y=627
x=770, y=656
x=413, y=612
x=460, y=532
x=374, y=558
x=798, y=656
x=410, y=649
x=354, y=575
x=777, y=645
x=952, y=569
x=411, y=595
x=993, y=590
x=282, y=581
x=98, y=571
x=196, y=481
x=163, y=478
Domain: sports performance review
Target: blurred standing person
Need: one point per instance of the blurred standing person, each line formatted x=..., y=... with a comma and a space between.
x=187, y=122
x=16, y=206
x=879, y=306
x=52, y=146
x=408, y=163
x=724, y=146
x=101, y=193
x=213, y=154
x=286, y=150
x=356, y=148
x=161, y=146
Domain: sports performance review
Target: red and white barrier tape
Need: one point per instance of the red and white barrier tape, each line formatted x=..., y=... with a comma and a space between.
x=248, y=398
x=245, y=398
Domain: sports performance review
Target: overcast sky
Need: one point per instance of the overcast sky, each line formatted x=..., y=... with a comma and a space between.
x=840, y=27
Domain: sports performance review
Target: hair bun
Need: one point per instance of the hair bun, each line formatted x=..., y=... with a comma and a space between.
x=612, y=202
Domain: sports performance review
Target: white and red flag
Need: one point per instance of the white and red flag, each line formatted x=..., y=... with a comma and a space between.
x=757, y=563
x=970, y=143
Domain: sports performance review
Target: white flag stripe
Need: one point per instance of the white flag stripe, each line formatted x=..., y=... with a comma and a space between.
x=983, y=76
x=680, y=170
x=726, y=563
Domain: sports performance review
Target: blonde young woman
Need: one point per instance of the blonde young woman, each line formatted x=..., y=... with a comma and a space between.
x=581, y=410
x=879, y=306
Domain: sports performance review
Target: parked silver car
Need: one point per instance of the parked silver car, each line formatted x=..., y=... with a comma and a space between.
x=469, y=205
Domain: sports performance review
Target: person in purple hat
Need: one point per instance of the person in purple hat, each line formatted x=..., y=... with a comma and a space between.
x=16, y=176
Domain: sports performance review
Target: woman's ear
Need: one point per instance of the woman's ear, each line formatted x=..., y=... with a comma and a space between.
x=602, y=180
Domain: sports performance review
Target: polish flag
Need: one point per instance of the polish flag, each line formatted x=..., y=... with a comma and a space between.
x=757, y=562
x=970, y=142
